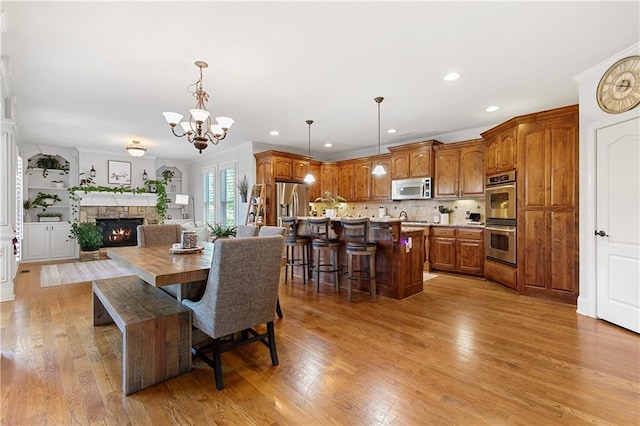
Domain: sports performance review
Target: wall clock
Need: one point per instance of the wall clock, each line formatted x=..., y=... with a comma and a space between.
x=619, y=87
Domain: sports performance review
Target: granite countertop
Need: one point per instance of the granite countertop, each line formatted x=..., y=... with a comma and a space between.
x=373, y=219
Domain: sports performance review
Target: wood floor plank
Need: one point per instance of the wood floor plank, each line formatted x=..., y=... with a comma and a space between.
x=462, y=352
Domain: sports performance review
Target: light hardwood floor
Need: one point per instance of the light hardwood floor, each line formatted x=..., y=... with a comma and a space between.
x=462, y=352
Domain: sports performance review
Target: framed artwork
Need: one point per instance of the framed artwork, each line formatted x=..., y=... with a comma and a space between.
x=120, y=172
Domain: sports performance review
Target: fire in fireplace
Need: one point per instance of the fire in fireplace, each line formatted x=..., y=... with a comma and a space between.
x=119, y=232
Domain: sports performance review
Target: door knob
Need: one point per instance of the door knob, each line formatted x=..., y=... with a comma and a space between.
x=602, y=234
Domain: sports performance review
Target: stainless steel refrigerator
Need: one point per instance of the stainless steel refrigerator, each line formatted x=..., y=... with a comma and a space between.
x=292, y=200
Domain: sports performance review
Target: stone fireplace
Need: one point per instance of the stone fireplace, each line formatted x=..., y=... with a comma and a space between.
x=120, y=232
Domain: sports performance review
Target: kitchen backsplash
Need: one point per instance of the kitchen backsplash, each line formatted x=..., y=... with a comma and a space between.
x=417, y=210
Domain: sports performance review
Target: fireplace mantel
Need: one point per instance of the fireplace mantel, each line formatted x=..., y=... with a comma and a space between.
x=117, y=199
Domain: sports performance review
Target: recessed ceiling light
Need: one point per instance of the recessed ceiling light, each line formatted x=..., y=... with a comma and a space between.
x=391, y=131
x=274, y=133
x=492, y=108
x=452, y=76
x=327, y=145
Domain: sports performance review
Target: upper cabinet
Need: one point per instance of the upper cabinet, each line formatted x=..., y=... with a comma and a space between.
x=356, y=183
x=275, y=166
x=328, y=179
x=315, y=188
x=500, y=155
x=413, y=160
x=459, y=170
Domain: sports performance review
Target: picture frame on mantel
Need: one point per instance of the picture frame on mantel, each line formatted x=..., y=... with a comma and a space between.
x=120, y=172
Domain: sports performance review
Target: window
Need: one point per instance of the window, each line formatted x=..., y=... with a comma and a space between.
x=219, y=194
x=209, y=195
x=228, y=196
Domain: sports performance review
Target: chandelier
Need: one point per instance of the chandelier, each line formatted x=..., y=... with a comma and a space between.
x=199, y=130
x=379, y=168
x=309, y=177
x=135, y=150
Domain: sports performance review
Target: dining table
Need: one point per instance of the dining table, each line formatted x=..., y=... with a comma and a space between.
x=160, y=265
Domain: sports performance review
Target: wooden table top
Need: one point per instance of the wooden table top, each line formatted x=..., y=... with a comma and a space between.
x=158, y=266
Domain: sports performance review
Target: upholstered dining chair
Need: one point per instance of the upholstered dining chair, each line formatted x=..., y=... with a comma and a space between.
x=241, y=293
x=246, y=231
x=153, y=235
x=266, y=231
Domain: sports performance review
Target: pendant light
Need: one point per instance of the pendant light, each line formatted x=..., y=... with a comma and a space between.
x=309, y=177
x=379, y=169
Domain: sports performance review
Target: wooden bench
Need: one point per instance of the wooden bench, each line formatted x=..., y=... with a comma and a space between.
x=156, y=330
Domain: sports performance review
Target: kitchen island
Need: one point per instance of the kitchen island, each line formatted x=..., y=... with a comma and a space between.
x=400, y=257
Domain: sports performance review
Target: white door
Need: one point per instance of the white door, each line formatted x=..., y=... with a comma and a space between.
x=618, y=223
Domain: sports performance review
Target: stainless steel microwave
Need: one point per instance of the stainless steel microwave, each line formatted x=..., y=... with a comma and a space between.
x=411, y=189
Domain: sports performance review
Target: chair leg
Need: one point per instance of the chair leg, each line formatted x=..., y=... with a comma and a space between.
x=349, y=276
x=278, y=309
x=272, y=343
x=217, y=360
x=372, y=274
x=336, y=266
x=317, y=259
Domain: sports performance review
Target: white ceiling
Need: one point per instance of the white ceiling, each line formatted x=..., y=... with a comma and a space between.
x=98, y=75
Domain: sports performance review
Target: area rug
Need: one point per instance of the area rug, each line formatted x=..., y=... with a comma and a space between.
x=78, y=272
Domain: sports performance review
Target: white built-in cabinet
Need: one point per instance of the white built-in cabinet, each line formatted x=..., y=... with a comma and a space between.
x=45, y=241
x=42, y=238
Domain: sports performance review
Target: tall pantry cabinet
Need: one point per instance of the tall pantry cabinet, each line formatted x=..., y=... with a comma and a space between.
x=547, y=205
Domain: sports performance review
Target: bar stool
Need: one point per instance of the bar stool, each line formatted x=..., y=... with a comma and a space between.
x=355, y=233
x=323, y=241
x=292, y=240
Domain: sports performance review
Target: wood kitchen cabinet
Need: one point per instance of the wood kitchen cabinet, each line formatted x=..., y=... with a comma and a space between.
x=329, y=179
x=547, y=200
x=412, y=160
x=356, y=183
x=361, y=181
x=345, y=181
x=457, y=249
x=315, y=188
x=500, y=150
x=276, y=166
x=459, y=170
x=381, y=184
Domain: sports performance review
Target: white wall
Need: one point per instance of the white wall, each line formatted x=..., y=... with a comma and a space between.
x=242, y=154
x=100, y=159
x=592, y=117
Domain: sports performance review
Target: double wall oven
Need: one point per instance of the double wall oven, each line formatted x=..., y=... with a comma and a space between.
x=500, y=231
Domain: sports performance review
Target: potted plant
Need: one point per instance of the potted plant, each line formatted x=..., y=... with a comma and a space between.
x=48, y=162
x=221, y=230
x=243, y=188
x=49, y=216
x=167, y=175
x=88, y=235
x=42, y=200
x=330, y=204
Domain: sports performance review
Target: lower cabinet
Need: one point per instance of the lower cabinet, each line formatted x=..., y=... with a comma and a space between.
x=457, y=249
x=500, y=273
x=45, y=241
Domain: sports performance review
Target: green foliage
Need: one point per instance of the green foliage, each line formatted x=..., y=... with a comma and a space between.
x=222, y=230
x=39, y=201
x=88, y=235
x=161, y=193
x=48, y=162
x=329, y=202
x=167, y=175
